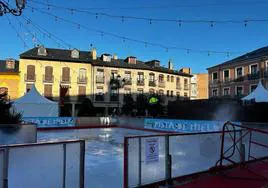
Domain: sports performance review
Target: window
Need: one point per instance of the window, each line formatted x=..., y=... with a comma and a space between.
x=226, y=75
x=30, y=73
x=100, y=76
x=151, y=77
x=226, y=91
x=42, y=51
x=99, y=94
x=214, y=76
x=171, y=93
x=186, y=87
x=114, y=73
x=167, y=93
x=65, y=74
x=127, y=91
x=161, y=78
x=168, y=78
x=151, y=91
x=185, y=95
x=127, y=75
x=28, y=87
x=178, y=84
x=161, y=92
x=140, y=76
x=48, y=91
x=253, y=87
x=4, y=90
x=266, y=65
x=140, y=91
x=172, y=78
x=48, y=74
x=239, y=72
x=214, y=92
x=254, y=69
x=114, y=95
x=178, y=94
x=82, y=75
x=239, y=90
x=82, y=91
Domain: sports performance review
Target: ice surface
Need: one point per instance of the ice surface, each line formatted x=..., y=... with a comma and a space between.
x=104, y=153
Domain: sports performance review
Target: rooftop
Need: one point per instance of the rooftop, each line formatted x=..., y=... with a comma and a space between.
x=86, y=57
x=254, y=55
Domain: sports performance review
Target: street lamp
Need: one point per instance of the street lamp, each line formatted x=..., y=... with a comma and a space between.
x=117, y=83
x=6, y=8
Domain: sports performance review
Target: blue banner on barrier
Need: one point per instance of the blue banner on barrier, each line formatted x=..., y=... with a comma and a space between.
x=51, y=121
x=186, y=126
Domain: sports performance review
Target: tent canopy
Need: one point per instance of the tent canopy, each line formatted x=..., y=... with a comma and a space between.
x=260, y=94
x=33, y=104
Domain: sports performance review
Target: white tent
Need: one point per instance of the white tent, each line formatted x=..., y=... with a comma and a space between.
x=33, y=104
x=260, y=94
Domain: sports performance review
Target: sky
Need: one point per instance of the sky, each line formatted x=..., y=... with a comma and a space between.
x=64, y=28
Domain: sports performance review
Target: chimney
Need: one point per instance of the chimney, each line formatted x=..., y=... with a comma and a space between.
x=131, y=60
x=93, y=53
x=10, y=63
x=186, y=70
x=115, y=57
x=170, y=65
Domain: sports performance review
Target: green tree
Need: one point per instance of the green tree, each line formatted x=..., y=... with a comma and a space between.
x=7, y=116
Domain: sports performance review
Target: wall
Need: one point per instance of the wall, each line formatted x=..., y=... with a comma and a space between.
x=11, y=81
x=57, y=72
x=202, y=86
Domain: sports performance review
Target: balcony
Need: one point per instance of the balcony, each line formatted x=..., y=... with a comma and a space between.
x=226, y=80
x=128, y=81
x=239, y=79
x=114, y=97
x=99, y=97
x=66, y=80
x=152, y=83
x=82, y=80
x=213, y=82
x=161, y=84
x=29, y=78
x=48, y=79
x=140, y=82
x=254, y=76
x=100, y=79
x=186, y=87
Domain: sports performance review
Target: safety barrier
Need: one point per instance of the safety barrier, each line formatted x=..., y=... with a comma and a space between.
x=42, y=165
x=251, y=143
x=155, y=158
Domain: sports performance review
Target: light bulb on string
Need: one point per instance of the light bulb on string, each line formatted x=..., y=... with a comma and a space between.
x=32, y=9
x=211, y=24
x=78, y=26
x=209, y=53
x=97, y=16
x=122, y=19
x=56, y=18
x=245, y=23
x=179, y=23
x=72, y=11
x=188, y=51
x=150, y=21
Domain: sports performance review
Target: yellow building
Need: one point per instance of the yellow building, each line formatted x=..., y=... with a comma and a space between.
x=9, y=78
x=71, y=74
x=199, y=86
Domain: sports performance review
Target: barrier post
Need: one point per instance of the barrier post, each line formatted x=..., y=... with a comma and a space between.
x=82, y=163
x=5, y=173
x=168, y=161
x=242, y=147
x=64, y=166
x=125, y=162
x=140, y=170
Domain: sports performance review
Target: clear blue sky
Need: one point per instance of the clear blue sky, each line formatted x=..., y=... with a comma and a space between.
x=221, y=37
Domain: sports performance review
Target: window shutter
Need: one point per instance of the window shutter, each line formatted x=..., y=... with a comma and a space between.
x=66, y=74
x=30, y=72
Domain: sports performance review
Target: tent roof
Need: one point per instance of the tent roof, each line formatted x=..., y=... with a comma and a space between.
x=33, y=97
x=260, y=94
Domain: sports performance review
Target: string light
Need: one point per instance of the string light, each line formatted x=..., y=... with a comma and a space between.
x=101, y=32
x=151, y=19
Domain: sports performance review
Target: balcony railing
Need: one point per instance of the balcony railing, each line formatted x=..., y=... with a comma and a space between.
x=82, y=80
x=66, y=80
x=239, y=79
x=128, y=81
x=161, y=84
x=100, y=79
x=152, y=83
x=29, y=78
x=186, y=87
x=48, y=79
x=140, y=82
x=254, y=76
x=216, y=81
x=99, y=97
x=226, y=80
x=114, y=97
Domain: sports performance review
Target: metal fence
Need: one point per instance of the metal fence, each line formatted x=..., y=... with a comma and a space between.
x=155, y=158
x=42, y=165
